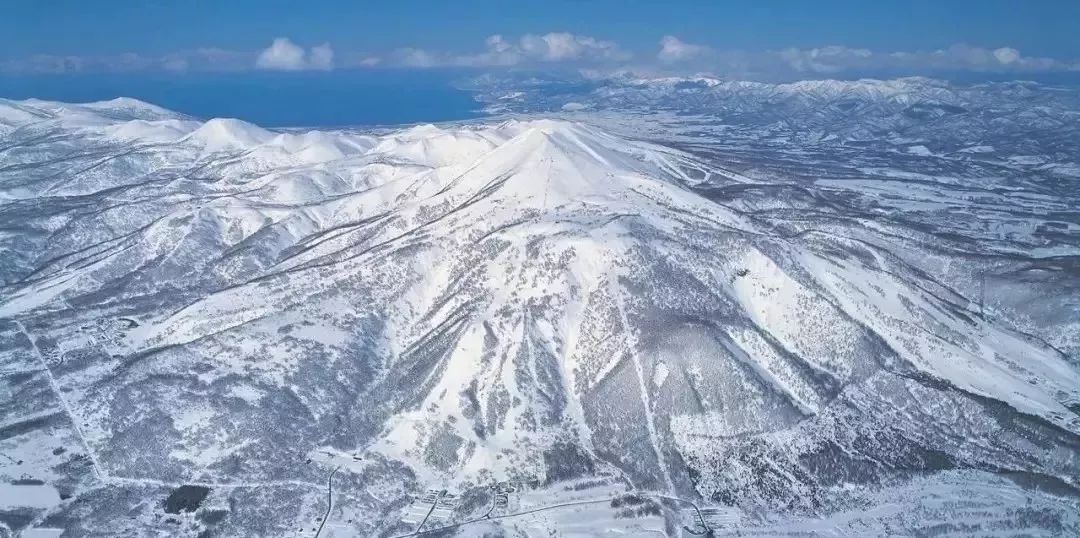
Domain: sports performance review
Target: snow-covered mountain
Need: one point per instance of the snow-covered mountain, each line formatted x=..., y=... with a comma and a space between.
x=216, y=305
x=1019, y=116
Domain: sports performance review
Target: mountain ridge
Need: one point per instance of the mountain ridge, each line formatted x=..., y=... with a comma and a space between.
x=459, y=304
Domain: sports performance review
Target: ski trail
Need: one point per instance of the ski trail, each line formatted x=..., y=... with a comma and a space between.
x=650, y=424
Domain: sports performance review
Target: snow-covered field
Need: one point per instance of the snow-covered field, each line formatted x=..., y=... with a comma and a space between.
x=856, y=313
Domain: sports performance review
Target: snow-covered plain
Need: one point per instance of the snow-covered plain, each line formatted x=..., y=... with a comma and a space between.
x=794, y=325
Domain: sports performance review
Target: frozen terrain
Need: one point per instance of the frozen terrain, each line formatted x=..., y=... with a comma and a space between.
x=828, y=307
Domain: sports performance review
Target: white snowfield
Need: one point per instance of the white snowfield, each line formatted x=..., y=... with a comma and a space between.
x=217, y=303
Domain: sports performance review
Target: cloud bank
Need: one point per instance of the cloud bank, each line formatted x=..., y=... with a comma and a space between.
x=677, y=56
x=673, y=56
x=837, y=59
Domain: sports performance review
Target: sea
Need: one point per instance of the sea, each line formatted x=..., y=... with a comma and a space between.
x=370, y=97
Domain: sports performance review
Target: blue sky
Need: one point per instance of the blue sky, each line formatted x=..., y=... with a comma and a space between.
x=96, y=33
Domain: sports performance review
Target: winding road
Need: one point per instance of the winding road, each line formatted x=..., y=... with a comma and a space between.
x=329, y=500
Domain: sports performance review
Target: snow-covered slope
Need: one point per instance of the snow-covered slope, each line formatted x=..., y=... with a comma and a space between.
x=449, y=306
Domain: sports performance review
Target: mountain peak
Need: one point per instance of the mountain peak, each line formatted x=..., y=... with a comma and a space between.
x=721, y=314
x=221, y=134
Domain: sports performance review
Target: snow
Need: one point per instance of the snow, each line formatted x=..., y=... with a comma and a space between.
x=919, y=150
x=660, y=374
x=14, y=496
x=225, y=134
x=990, y=361
x=805, y=323
x=42, y=533
x=465, y=294
x=156, y=132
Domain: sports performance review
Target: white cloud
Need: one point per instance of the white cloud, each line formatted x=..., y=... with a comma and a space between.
x=284, y=55
x=177, y=64
x=496, y=43
x=189, y=60
x=499, y=51
x=826, y=59
x=281, y=54
x=321, y=57
x=1007, y=55
x=562, y=46
x=673, y=49
x=411, y=57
